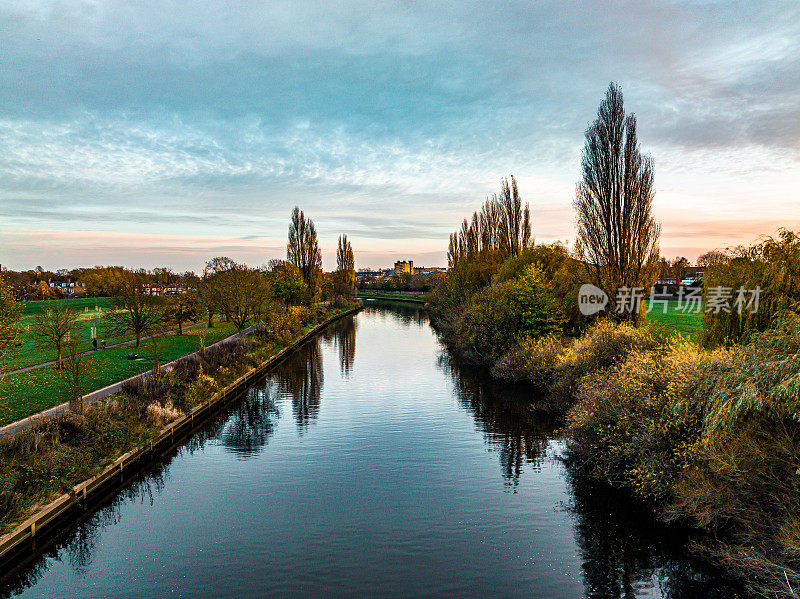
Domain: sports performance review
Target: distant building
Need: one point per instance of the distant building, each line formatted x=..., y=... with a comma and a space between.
x=68, y=287
x=401, y=267
x=428, y=270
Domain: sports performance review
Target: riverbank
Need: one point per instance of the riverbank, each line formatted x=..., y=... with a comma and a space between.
x=457, y=485
x=705, y=439
x=73, y=457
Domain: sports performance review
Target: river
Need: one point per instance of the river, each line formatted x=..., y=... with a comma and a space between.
x=370, y=463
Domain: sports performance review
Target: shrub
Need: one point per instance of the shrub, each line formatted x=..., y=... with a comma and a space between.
x=224, y=355
x=282, y=328
x=532, y=360
x=504, y=314
x=624, y=426
x=773, y=265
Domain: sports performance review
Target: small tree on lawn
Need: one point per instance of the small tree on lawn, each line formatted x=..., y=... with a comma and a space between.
x=181, y=308
x=206, y=289
x=76, y=369
x=135, y=310
x=54, y=327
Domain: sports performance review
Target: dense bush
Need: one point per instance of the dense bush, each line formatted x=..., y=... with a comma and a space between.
x=505, y=313
x=625, y=426
x=282, y=327
x=487, y=305
x=558, y=366
x=712, y=439
x=773, y=265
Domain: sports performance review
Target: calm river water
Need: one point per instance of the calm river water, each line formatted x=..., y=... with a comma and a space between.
x=369, y=464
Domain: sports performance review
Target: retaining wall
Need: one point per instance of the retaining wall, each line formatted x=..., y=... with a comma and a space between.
x=170, y=436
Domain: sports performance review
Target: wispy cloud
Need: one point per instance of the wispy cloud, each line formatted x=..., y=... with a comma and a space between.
x=387, y=122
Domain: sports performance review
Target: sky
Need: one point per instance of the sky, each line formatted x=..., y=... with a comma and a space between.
x=165, y=133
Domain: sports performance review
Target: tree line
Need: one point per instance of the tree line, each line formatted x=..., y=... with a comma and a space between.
x=227, y=289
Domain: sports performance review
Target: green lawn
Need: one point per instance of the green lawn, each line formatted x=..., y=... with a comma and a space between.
x=32, y=351
x=39, y=389
x=687, y=323
x=392, y=296
x=79, y=304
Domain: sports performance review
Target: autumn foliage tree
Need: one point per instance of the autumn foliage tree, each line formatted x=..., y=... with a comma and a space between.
x=242, y=294
x=9, y=317
x=287, y=282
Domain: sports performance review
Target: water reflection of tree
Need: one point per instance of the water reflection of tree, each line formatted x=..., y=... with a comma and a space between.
x=346, y=342
x=78, y=545
x=406, y=313
x=301, y=376
x=503, y=414
x=623, y=549
x=252, y=421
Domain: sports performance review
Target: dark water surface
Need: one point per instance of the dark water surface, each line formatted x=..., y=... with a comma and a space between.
x=369, y=464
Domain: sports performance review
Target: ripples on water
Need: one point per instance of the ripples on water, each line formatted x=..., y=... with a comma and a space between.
x=371, y=462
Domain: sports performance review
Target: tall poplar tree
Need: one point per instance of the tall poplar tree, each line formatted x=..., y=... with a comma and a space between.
x=303, y=251
x=617, y=237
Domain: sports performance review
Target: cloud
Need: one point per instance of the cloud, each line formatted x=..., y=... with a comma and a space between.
x=388, y=122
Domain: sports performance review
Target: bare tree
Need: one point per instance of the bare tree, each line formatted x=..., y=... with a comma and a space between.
x=54, y=327
x=515, y=227
x=75, y=366
x=241, y=293
x=617, y=235
x=136, y=311
x=712, y=258
x=345, y=281
x=303, y=250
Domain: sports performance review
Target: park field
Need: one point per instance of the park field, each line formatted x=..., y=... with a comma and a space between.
x=36, y=390
x=686, y=323
x=79, y=304
x=91, y=312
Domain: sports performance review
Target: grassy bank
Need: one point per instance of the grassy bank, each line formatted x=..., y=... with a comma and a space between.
x=42, y=463
x=36, y=390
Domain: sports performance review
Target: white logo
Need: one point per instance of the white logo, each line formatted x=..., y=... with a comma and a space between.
x=591, y=299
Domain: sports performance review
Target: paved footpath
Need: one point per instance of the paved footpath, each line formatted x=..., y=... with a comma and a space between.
x=51, y=413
